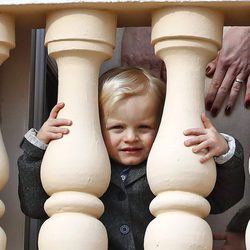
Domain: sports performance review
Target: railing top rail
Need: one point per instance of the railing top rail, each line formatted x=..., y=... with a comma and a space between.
x=130, y=13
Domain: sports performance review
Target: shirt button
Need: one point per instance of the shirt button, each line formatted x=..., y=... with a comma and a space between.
x=124, y=229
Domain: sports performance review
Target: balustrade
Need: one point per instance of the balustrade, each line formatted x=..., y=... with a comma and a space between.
x=76, y=170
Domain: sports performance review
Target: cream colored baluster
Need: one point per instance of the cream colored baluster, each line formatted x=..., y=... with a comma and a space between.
x=7, y=42
x=76, y=169
x=186, y=38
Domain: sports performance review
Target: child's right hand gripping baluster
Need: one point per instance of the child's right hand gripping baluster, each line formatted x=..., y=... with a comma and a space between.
x=51, y=129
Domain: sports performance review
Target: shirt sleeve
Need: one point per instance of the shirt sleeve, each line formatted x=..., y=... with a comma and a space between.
x=30, y=190
x=230, y=182
x=227, y=156
x=32, y=138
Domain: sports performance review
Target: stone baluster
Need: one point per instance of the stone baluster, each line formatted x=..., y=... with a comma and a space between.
x=186, y=38
x=75, y=169
x=7, y=42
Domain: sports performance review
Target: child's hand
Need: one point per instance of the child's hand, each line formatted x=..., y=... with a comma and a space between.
x=51, y=129
x=206, y=140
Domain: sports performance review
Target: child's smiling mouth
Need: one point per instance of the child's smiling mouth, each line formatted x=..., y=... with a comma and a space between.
x=131, y=150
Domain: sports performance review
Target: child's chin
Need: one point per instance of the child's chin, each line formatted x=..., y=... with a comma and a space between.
x=131, y=162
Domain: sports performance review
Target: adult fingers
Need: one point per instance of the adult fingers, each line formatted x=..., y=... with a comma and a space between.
x=232, y=97
x=56, y=109
x=234, y=93
x=217, y=79
x=210, y=69
x=224, y=89
x=247, y=94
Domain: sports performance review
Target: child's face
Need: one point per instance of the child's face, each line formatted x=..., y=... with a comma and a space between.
x=130, y=128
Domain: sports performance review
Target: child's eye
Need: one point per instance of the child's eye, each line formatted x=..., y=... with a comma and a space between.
x=116, y=128
x=144, y=127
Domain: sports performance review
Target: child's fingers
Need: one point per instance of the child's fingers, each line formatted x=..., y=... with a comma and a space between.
x=194, y=131
x=195, y=140
x=59, y=122
x=56, y=109
x=54, y=136
x=58, y=130
x=206, y=122
x=206, y=157
x=203, y=145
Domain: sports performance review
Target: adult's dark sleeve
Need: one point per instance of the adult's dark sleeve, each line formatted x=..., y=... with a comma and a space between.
x=31, y=193
x=230, y=183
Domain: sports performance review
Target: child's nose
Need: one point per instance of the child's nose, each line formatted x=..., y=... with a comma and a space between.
x=131, y=136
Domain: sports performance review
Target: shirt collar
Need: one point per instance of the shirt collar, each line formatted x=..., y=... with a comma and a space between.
x=135, y=173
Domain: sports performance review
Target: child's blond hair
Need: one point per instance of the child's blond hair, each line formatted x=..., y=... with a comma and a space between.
x=122, y=82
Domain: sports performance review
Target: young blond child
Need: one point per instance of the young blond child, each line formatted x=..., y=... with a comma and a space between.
x=131, y=103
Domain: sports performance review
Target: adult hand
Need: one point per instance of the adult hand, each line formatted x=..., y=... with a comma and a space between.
x=230, y=70
x=51, y=129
